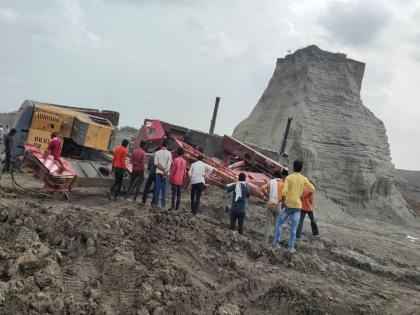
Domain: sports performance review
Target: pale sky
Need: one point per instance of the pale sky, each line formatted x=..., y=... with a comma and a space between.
x=169, y=59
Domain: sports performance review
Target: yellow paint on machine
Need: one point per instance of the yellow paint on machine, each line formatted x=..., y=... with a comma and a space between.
x=39, y=138
x=85, y=130
x=88, y=133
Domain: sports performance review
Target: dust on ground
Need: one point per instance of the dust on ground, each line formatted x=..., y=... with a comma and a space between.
x=89, y=255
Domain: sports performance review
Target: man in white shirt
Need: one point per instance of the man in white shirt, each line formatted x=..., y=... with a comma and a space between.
x=1, y=133
x=197, y=173
x=163, y=161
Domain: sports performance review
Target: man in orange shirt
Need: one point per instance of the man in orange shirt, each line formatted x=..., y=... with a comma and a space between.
x=307, y=202
x=118, y=167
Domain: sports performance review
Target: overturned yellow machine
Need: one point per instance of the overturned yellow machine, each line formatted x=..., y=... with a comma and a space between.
x=87, y=136
x=78, y=127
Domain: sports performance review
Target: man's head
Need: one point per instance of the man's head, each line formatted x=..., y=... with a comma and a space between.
x=297, y=166
x=165, y=143
x=125, y=143
x=277, y=174
x=284, y=173
x=200, y=157
x=242, y=177
x=53, y=135
x=142, y=144
x=12, y=131
x=180, y=151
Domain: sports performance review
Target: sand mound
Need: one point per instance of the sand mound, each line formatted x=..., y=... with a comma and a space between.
x=343, y=144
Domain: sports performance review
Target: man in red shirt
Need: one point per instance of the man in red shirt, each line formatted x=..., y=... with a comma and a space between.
x=54, y=147
x=138, y=159
x=178, y=172
x=118, y=167
x=307, y=202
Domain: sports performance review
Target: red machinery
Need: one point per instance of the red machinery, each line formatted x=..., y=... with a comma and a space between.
x=255, y=165
x=234, y=156
x=58, y=175
x=221, y=175
x=64, y=175
x=153, y=132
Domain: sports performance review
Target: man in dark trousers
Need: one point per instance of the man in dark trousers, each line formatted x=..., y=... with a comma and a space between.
x=239, y=200
x=8, y=149
x=307, y=203
x=119, y=167
x=197, y=173
x=178, y=172
x=151, y=169
x=138, y=160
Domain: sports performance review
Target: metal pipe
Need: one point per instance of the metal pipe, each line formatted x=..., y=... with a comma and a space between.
x=286, y=135
x=213, y=121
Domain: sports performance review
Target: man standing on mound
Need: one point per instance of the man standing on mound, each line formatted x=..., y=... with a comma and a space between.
x=197, y=173
x=293, y=188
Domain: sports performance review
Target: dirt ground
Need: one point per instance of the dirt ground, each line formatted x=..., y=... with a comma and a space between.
x=89, y=255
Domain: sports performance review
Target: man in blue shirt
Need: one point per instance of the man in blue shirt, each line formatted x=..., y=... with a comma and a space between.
x=239, y=200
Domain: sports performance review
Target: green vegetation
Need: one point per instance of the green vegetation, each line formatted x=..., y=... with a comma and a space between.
x=128, y=129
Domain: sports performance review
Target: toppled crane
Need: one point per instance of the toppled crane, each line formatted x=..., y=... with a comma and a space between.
x=87, y=135
x=227, y=156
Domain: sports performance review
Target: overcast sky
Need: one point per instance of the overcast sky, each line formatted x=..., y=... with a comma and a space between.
x=168, y=59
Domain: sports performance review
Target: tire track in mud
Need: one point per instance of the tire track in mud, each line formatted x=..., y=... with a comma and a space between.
x=128, y=259
x=355, y=269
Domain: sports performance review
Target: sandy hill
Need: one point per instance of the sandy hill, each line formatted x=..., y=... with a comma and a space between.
x=344, y=146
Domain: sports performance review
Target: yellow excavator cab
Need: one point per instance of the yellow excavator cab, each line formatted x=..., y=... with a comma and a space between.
x=83, y=128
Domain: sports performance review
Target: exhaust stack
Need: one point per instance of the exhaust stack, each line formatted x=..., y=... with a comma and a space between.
x=213, y=121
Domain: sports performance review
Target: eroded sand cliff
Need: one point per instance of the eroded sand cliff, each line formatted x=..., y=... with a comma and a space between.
x=344, y=146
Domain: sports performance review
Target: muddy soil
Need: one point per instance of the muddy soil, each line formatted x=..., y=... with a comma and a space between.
x=89, y=255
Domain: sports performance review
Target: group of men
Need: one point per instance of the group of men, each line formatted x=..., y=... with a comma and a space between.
x=292, y=193
x=286, y=195
x=163, y=171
